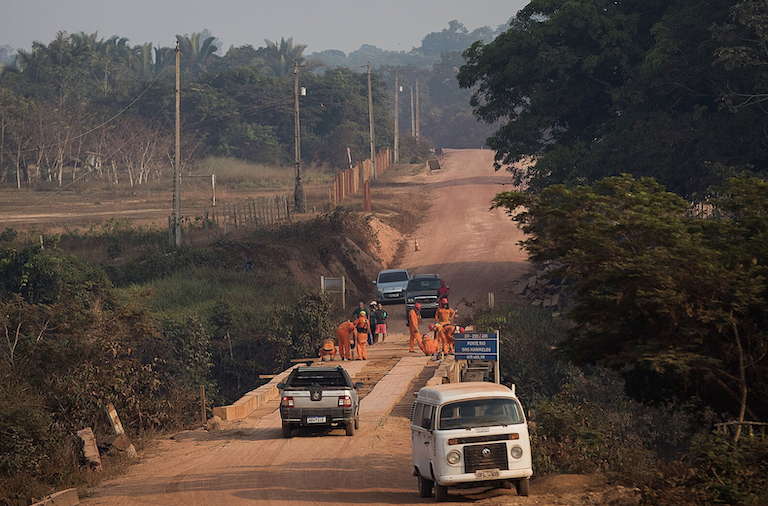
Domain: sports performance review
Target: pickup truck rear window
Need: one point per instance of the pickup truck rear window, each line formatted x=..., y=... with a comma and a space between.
x=326, y=379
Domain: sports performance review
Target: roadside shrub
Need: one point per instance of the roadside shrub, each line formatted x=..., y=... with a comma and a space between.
x=714, y=473
x=25, y=438
x=584, y=422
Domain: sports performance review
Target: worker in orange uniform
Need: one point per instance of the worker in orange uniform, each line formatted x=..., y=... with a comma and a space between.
x=413, y=326
x=343, y=334
x=446, y=336
x=429, y=344
x=362, y=325
x=327, y=350
x=443, y=316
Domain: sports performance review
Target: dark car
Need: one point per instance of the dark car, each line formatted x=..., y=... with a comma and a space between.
x=422, y=288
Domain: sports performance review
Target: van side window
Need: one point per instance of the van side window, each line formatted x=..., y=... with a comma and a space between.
x=427, y=417
x=418, y=408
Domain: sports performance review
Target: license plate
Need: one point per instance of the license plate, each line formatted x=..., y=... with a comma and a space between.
x=317, y=419
x=484, y=474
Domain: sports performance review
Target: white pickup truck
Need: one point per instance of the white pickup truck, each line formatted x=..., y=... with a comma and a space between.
x=313, y=396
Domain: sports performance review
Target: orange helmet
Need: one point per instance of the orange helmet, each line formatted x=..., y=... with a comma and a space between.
x=417, y=306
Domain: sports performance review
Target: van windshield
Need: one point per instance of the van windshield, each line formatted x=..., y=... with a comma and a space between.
x=479, y=413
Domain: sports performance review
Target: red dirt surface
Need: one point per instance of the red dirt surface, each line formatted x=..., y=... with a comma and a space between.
x=248, y=463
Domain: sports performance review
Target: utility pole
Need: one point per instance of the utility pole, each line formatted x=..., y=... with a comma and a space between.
x=418, y=133
x=413, y=120
x=298, y=190
x=176, y=170
x=397, y=117
x=370, y=121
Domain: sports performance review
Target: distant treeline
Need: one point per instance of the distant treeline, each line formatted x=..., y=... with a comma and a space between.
x=83, y=104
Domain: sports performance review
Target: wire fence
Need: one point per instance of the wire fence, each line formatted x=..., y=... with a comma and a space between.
x=352, y=180
x=249, y=213
x=224, y=217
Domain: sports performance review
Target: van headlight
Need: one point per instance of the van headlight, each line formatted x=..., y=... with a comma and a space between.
x=516, y=452
x=453, y=457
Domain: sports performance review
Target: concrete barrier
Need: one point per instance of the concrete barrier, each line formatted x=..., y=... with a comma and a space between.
x=67, y=497
x=444, y=373
x=248, y=403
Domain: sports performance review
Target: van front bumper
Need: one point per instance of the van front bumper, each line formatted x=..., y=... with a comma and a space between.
x=471, y=478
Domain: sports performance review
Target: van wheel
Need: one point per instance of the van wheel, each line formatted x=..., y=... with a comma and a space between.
x=425, y=487
x=507, y=484
x=522, y=487
x=286, y=430
x=350, y=428
x=357, y=422
x=441, y=493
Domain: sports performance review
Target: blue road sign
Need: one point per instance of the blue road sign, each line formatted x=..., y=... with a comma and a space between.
x=476, y=346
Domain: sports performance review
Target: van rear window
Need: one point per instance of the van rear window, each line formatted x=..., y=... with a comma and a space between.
x=479, y=413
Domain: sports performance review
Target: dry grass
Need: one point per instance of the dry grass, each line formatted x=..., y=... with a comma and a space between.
x=239, y=174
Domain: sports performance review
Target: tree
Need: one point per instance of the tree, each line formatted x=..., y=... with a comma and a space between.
x=279, y=57
x=196, y=54
x=656, y=295
x=595, y=88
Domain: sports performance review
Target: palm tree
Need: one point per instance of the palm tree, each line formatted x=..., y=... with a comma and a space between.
x=279, y=57
x=195, y=54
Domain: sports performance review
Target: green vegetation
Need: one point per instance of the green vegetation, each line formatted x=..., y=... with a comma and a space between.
x=144, y=326
x=585, y=423
x=670, y=89
x=83, y=106
x=675, y=303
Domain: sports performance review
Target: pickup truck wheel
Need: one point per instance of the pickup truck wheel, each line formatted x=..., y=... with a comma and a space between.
x=350, y=428
x=441, y=493
x=522, y=487
x=425, y=487
x=286, y=430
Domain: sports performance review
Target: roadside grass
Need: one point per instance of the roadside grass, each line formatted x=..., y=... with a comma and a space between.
x=196, y=291
x=241, y=175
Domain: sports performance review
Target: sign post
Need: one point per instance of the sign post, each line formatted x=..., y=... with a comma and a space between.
x=478, y=346
x=335, y=285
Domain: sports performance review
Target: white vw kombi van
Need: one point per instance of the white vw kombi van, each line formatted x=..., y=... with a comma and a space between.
x=470, y=434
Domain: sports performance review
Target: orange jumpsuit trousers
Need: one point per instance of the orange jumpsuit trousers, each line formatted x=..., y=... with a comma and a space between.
x=446, y=336
x=443, y=317
x=413, y=326
x=362, y=325
x=342, y=336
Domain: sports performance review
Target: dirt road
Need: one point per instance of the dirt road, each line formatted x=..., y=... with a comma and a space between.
x=248, y=462
x=475, y=250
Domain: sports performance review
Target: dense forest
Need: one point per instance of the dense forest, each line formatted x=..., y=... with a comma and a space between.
x=84, y=104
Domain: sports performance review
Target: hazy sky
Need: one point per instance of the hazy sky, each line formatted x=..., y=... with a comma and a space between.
x=397, y=25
